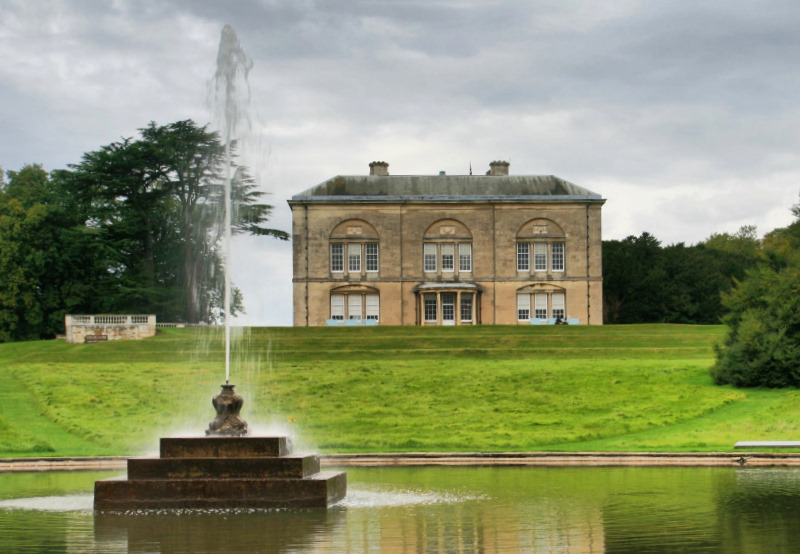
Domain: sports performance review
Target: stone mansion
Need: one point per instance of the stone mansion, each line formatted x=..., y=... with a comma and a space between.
x=446, y=250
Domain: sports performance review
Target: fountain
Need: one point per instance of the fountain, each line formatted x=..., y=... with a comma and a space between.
x=226, y=468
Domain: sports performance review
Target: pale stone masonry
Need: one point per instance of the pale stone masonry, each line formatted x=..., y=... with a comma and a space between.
x=103, y=327
x=446, y=250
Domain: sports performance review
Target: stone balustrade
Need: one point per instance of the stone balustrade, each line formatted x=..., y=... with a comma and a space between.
x=102, y=327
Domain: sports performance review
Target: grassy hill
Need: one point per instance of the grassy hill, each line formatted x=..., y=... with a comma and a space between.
x=500, y=388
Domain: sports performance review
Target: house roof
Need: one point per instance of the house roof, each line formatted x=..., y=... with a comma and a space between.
x=444, y=188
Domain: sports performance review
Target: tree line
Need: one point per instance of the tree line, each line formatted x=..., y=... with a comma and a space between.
x=135, y=227
x=645, y=282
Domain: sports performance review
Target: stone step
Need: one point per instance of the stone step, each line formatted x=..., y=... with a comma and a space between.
x=225, y=447
x=290, y=467
x=319, y=490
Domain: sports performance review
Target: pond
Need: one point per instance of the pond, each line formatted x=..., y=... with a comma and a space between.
x=437, y=509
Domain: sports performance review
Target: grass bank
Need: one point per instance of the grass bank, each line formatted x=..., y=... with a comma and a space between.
x=380, y=389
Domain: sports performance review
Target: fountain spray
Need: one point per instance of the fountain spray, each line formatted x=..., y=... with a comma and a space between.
x=233, y=67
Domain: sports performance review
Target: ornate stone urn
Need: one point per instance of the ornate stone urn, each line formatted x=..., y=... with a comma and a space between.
x=227, y=423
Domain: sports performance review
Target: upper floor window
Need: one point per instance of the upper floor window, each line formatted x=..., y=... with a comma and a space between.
x=337, y=257
x=354, y=257
x=544, y=241
x=464, y=257
x=354, y=248
x=447, y=248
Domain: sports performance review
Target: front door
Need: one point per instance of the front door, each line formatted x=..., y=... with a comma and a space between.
x=448, y=308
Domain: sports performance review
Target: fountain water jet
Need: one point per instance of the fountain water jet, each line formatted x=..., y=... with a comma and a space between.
x=226, y=468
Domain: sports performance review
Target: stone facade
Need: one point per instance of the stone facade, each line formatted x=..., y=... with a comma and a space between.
x=440, y=250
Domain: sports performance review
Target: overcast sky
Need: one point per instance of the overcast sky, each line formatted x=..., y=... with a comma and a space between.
x=683, y=115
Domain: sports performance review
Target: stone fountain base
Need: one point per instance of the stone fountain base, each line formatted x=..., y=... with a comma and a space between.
x=222, y=472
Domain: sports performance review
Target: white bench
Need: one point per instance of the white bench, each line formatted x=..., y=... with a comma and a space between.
x=767, y=444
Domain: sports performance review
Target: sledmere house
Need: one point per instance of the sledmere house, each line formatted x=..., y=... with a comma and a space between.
x=446, y=250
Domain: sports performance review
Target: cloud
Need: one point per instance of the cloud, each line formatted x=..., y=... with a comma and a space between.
x=683, y=115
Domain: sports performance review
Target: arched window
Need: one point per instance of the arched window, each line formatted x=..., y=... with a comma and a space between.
x=354, y=249
x=541, y=248
x=541, y=302
x=447, y=249
x=355, y=304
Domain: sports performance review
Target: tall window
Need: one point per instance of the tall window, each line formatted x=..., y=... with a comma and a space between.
x=337, y=257
x=465, y=257
x=559, y=310
x=540, y=306
x=539, y=256
x=466, y=307
x=448, y=254
x=557, y=256
x=429, y=254
x=373, y=306
x=354, y=258
x=337, y=306
x=430, y=308
x=353, y=306
x=523, y=307
x=523, y=257
x=371, y=250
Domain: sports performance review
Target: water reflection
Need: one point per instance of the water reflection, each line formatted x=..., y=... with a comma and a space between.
x=438, y=510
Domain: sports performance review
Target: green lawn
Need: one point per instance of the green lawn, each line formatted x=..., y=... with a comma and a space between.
x=499, y=388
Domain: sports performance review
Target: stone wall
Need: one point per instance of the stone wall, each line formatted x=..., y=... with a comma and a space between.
x=103, y=327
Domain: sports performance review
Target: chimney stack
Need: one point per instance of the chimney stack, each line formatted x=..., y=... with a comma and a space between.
x=379, y=168
x=498, y=168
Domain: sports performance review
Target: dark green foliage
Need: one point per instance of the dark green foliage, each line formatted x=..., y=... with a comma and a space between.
x=50, y=263
x=644, y=282
x=134, y=228
x=763, y=343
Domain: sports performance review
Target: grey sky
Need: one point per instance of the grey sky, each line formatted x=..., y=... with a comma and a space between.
x=682, y=114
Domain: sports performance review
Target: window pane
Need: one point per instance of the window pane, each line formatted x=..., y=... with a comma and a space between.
x=354, y=258
x=558, y=256
x=448, y=306
x=337, y=306
x=372, y=256
x=465, y=257
x=430, y=308
x=540, y=306
x=337, y=257
x=448, y=255
x=540, y=256
x=466, y=307
x=523, y=256
x=558, y=305
x=373, y=306
x=354, y=306
x=523, y=306
x=429, y=253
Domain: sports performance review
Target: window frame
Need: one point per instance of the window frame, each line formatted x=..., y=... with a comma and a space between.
x=337, y=257
x=523, y=256
x=371, y=259
x=557, y=258
x=523, y=306
x=465, y=257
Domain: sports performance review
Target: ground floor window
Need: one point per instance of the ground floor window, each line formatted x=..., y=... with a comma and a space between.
x=447, y=307
x=546, y=305
x=355, y=305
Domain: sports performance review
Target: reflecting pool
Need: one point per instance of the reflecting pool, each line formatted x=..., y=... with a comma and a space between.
x=437, y=509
